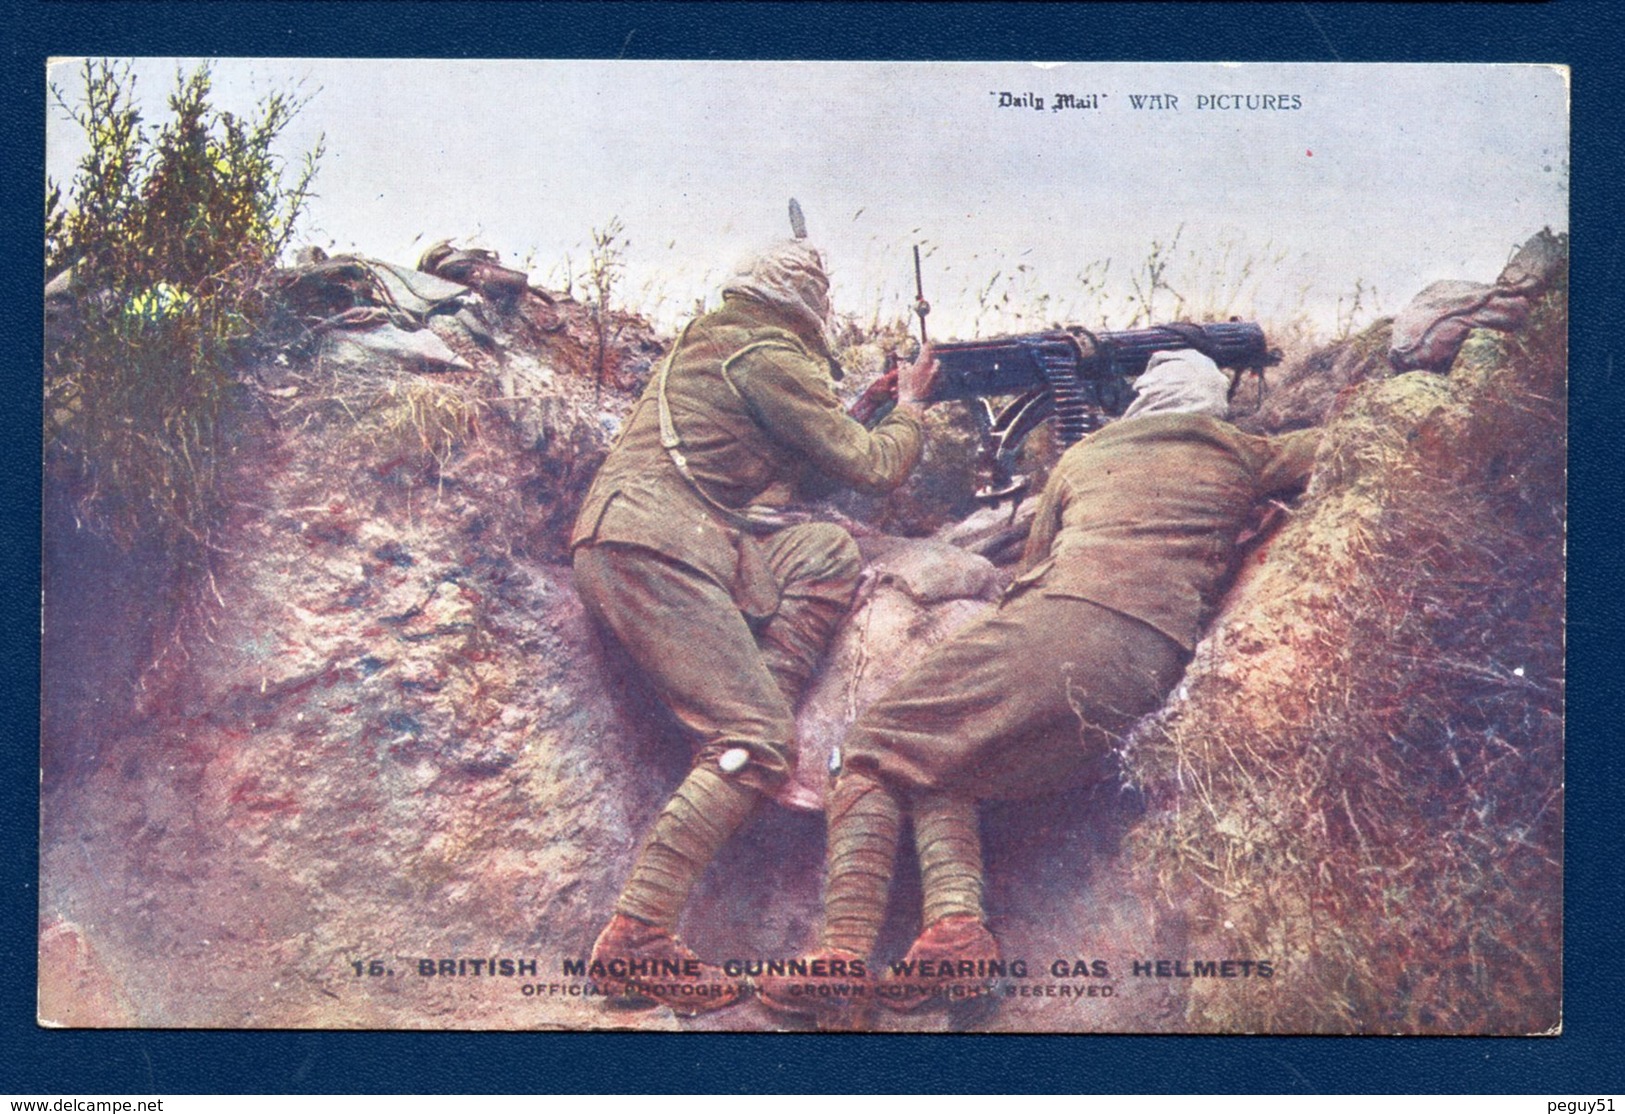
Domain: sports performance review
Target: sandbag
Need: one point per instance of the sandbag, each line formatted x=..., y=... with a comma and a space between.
x=1535, y=264
x=321, y=286
x=417, y=293
x=420, y=349
x=1429, y=332
x=476, y=267
x=913, y=594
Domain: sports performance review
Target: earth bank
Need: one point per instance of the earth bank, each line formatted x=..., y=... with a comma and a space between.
x=393, y=736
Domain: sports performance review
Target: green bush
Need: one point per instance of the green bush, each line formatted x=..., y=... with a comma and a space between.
x=169, y=238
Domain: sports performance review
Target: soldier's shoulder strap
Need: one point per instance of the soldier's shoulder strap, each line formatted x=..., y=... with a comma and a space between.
x=751, y=519
x=784, y=341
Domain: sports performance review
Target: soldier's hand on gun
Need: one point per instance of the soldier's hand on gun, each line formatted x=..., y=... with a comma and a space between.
x=915, y=382
x=879, y=397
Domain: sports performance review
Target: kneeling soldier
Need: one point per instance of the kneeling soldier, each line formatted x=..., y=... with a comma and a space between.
x=1134, y=541
x=724, y=601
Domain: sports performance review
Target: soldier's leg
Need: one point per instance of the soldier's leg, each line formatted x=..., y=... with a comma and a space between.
x=684, y=631
x=816, y=566
x=700, y=817
x=1019, y=703
x=865, y=821
x=948, y=841
x=925, y=710
x=911, y=746
x=687, y=635
x=951, y=725
x=994, y=712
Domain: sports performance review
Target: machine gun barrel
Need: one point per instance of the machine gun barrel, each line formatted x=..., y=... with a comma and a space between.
x=1013, y=364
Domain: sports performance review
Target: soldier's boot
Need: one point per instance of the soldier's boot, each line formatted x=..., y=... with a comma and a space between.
x=707, y=808
x=955, y=959
x=649, y=966
x=865, y=822
x=950, y=965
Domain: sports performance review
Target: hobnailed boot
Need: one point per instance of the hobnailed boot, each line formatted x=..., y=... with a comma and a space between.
x=655, y=968
x=934, y=961
x=837, y=991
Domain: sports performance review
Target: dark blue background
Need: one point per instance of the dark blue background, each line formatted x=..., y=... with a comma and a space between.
x=1586, y=1059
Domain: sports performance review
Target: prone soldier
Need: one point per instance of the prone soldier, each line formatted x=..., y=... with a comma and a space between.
x=682, y=551
x=1134, y=541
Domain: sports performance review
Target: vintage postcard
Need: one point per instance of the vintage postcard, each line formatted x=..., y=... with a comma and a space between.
x=742, y=546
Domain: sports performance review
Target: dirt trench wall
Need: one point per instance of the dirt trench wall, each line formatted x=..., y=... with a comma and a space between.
x=394, y=736
x=1361, y=776
x=398, y=737
x=359, y=759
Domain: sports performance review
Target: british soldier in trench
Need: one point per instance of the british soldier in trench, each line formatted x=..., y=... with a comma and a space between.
x=1134, y=541
x=683, y=553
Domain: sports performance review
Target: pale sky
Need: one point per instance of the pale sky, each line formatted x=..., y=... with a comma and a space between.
x=1392, y=175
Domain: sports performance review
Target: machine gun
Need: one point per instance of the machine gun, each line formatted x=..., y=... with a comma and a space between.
x=1079, y=378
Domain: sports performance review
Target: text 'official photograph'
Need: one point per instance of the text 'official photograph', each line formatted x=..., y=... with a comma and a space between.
x=975, y=547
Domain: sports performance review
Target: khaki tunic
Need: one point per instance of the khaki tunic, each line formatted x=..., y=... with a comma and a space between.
x=1133, y=544
x=754, y=403
x=729, y=621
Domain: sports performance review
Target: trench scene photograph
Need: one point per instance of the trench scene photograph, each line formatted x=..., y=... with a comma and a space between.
x=728, y=546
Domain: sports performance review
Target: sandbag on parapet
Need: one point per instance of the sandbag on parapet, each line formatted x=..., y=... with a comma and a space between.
x=366, y=310
x=913, y=594
x=418, y=293
x=362, y=337
x=476, y=267
x=1430, y=331
x=320, y=286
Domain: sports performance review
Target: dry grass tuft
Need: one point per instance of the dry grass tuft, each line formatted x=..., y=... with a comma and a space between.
x=414, y=419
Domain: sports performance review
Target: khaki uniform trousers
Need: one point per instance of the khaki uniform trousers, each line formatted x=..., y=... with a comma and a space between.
x=731, y=673
x=1023, y=702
